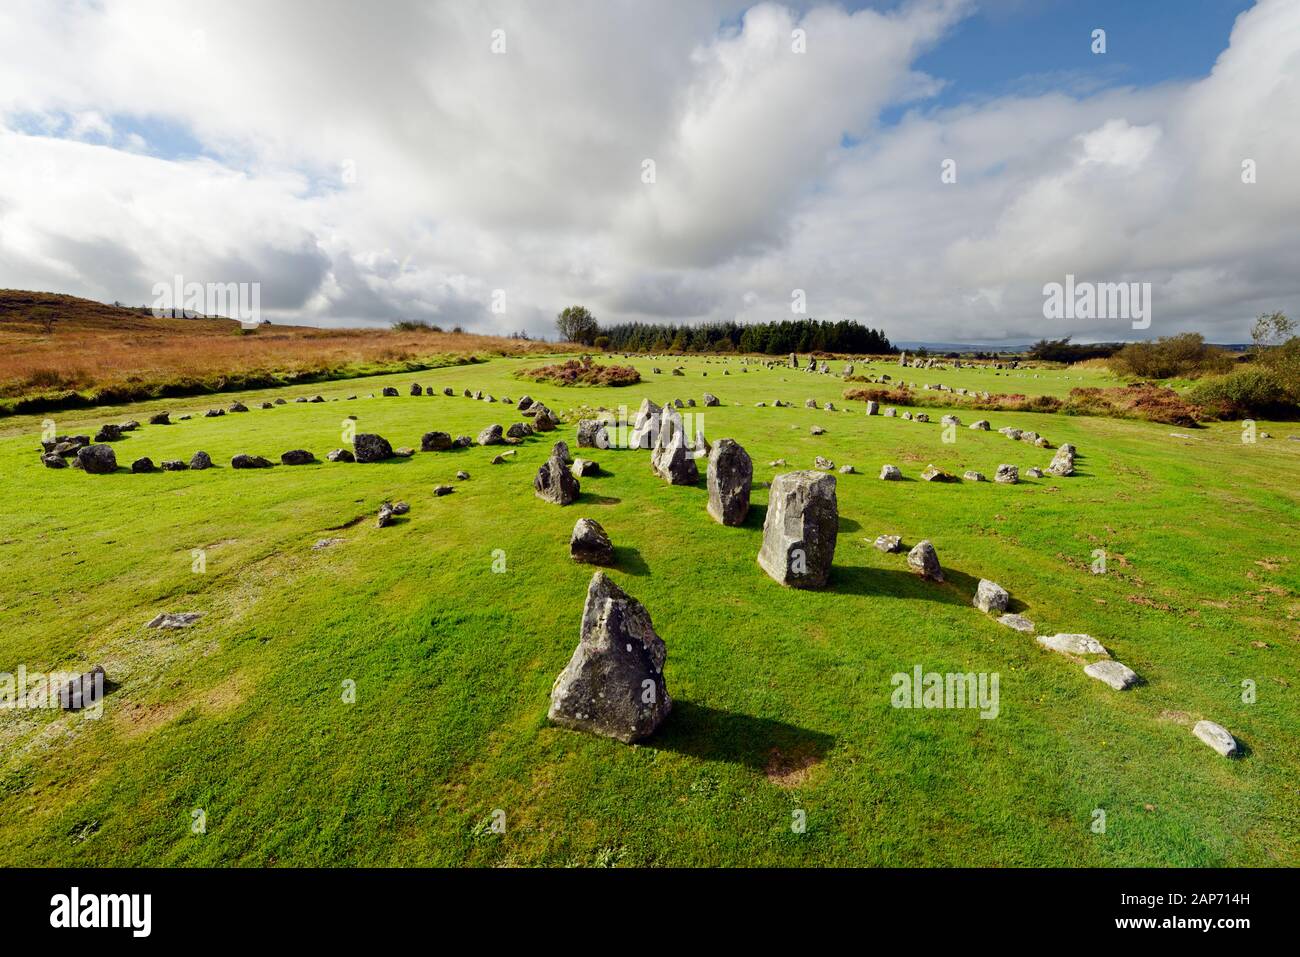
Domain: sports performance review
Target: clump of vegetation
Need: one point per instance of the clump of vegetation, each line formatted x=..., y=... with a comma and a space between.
x=1243, y=393
x=581, y=372
x=577, y=324
x=1062, y=350
x=415, y=325
x=1185, y=355
x=1139, y=400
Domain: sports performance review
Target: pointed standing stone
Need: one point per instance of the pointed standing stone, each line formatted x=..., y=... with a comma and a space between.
x=730, y=475
x=800, y=529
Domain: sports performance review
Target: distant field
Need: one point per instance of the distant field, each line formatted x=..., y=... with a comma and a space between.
x=782, y=697
x=1025, y=381
x=93, y=348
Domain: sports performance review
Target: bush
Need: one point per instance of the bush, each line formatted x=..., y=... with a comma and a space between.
x=601, y=343
x=1244, y=393
x=1185, y=354
x=582, y=372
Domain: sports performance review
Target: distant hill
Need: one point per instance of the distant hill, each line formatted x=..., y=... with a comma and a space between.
x=28, y=312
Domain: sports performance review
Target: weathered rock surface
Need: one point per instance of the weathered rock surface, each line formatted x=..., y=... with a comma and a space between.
x=1217, y=737
x=991, y=597
x=180, y=619
x=1018, y=622
x=889, y=543
x=160, y=418
x=589, y=543
x=369, y=447
x=1007, y=475
x=297, y=457
x=545, y=420
x=925, y=561
x=1119, y=676
x=142, y=465
x=97, y=459
x=200, y=460
x=555, y=483
x=492, y=435
x=1073, y=644
x=592, y=434
x=584, y=467
x=614, y=684
x=435, y=442
x=933, y=473
x=730, y=475
x=341, y=455
x=519, y=430
x=249, y=462
x=800, y=529
x=890, y=473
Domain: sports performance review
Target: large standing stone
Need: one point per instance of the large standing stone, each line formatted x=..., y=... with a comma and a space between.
x=590, y=544
x=800, y=529
x=614, y=683
x=645, y=427
x=925, y=560
x=555, y=483
x=671, y=460
x=730, y=475
x=369, y=447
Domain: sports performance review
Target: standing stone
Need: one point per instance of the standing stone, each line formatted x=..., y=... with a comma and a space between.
x=590, y=544
x=545, y=420
x=991, y=597
x=555, y=483
x=981, y=426
x=800, y=529
x=710, y=400
x=201, y=460
x=249, y=462
x=160, y=418
x=369, y=447
x=435, y=442
x=889, y=543
x=873, y=407
x=1007, y=475
x=1063, y=461
x=492, y=435
x=341, y=455
x=730, y=474
x=561, y=448
x=388, y=392
x=592, y=434
x=1217, y=737
x=645, y=427
x=297, y=457
x=614, y=684
x=519, y=430
x=416, y=390
x=925, y=560
x=890, y=473
x=525, y=402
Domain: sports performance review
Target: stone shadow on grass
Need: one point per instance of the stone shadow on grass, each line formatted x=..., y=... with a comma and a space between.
x=628, y=559
x=712, y=734
x=590, y=498
x=957, y=588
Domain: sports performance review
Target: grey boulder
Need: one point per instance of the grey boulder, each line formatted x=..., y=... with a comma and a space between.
x=730, y=475
x=800, y=529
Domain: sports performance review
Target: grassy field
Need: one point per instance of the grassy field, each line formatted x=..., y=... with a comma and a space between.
x=782, y=697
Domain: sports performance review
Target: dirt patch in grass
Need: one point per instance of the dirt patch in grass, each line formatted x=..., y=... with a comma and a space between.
x=790, y=769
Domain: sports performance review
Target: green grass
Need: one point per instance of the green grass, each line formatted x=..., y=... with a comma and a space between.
x=243, y=716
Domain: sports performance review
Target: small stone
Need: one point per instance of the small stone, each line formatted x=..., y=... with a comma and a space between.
x=590, y=544
x=441, y=490
x=201, y=460
x=141, y=465
x=847, y=470
x=1018, y=622
x=297, y=457
x=1034, y=473
x=368, y=447
x=991, y=597
x=1217, y=737
x=817, y=430
x=174, y=465
x=435, y=442
x=933, y=473
x=249, y=462
x=1119, y=676
x=341, y=455
x=1007, y=475
x=1073, y=644
x=160, y=418
x=492, y=435
x=973, y=476
x=180, y=619
x=824, y=464
x=925, y=561
x=890, y=473
x=889, y=543
x=981, y=426
x=462, y=476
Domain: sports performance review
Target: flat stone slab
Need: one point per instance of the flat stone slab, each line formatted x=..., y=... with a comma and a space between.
x=181, y=619
x=1073, y=644
x=1018, y=622
x=1217, y=737
x=1119, y=676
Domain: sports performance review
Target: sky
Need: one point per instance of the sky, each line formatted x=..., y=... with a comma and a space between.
x=926, y=167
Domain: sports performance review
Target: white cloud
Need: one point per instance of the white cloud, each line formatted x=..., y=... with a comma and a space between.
x=469, y=171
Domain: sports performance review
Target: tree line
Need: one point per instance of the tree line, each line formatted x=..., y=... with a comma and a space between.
x=576, y=324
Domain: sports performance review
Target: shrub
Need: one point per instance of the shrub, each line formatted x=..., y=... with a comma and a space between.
x=1141, y=400
x=582, y=372
x=1246, y=392
x=601, y=343
x=1185, y=354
